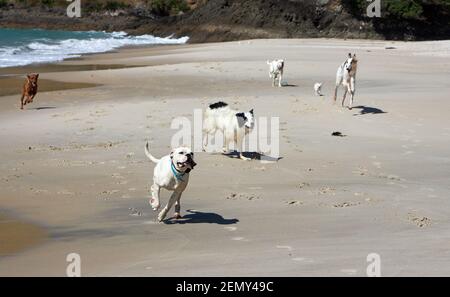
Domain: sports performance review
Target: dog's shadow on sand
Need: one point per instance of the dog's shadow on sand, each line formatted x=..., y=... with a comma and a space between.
x=367, y=110
x=253, y=156
x=43, y=108
x=198, y=217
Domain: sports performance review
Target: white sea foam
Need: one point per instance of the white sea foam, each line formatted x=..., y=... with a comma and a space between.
x=45, y=50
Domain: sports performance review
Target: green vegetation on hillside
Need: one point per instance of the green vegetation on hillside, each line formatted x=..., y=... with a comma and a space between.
x=168, y=7
x=158, y=7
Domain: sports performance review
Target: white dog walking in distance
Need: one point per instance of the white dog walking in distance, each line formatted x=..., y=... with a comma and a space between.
x=318, y=89
x=172, y=173
x=232, y=123
x=276, y=68
x=346, y=75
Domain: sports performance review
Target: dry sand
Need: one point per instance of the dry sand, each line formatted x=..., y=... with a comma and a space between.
x=72, y=164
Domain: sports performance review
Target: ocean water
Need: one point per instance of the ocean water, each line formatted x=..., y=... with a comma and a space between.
x=20, y=47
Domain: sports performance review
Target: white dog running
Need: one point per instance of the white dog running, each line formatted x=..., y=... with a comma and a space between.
x=346, y=75
x=318, y=89
x=172, y=173
x=233, y=124
x=276, y=68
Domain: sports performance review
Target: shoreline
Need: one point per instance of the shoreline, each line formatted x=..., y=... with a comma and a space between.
x=77, y=64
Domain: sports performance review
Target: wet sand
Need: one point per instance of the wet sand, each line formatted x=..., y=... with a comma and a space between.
x=17, y=236
x=11, y=85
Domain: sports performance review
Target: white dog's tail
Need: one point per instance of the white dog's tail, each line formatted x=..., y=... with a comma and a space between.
x=147, y=153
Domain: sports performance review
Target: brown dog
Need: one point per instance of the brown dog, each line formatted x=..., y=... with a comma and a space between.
x=29, y=89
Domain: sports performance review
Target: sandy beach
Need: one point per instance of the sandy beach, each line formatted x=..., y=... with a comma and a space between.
x=74, y=176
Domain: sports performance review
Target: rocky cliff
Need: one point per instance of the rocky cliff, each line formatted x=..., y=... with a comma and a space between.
x=224, y=20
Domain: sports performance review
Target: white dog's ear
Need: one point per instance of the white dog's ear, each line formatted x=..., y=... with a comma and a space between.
x=251, y=111
x=171, y=154
x=349, y=55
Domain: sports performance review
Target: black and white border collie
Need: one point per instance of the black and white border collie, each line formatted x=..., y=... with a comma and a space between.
x=232, y=123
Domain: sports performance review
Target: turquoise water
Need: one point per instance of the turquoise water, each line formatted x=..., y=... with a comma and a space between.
x=20, y=47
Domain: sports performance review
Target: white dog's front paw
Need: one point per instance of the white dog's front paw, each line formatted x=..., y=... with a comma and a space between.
x=154, y=204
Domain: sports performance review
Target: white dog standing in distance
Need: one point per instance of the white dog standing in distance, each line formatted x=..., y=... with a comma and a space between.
x=318, y=89
x=346, y=76
x=276, y=68
x=233, y=124
x=172, y=173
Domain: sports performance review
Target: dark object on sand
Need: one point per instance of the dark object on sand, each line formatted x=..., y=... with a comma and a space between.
x=337, y=133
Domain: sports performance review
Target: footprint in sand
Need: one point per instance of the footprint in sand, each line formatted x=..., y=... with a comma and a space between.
x=345, y=204
x=390, y=177
x=304, y=185
x=294, y=203
x=327, y=190
x=231, y=229
x=419, y=221
x=237, y=196
x=134, y=212
x=110, y=192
